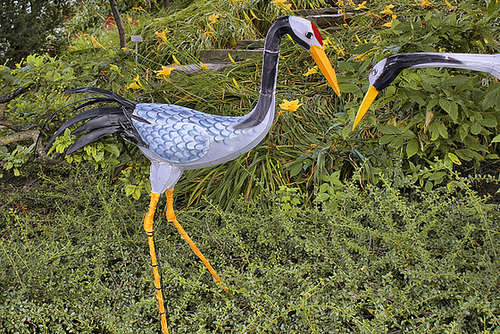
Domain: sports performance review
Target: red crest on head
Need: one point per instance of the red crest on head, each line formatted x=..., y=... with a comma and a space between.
x=317, y=34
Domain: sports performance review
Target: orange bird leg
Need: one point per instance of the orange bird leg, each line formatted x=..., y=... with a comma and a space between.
x=148, y=227
x=185, y=236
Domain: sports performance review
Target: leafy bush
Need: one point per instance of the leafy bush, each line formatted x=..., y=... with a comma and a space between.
x=429, y=113
x=426, y=114
x=394, y=258
x=31, y=27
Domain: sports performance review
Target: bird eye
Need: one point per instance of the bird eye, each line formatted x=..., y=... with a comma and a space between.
x=309, y=35
x=374, y=71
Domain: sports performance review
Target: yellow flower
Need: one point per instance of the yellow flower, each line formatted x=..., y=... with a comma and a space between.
x=203, y=66
x=231, y=58
x=162, y=35
x=327, y=42
x=214, y=18
x=290, y=105
x=425, y=3
x=389, y=24
x=177, y=62
x=95, y=42
x=340, y=51
x=313, y=70
x=165, y=71
x=361, y=6
x=387, y=10
x=136, y=84
x=236, y=83
x=282, y=4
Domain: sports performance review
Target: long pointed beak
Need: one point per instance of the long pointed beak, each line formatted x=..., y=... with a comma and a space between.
x=367, y=102
x=325, y=66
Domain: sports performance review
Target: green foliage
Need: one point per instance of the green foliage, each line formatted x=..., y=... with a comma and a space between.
x=14, y=160
x=448, y=115
x=328, y=230
x=30, y=27
x=394, y=258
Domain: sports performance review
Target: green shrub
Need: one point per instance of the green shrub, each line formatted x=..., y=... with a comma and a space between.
x=394, y=258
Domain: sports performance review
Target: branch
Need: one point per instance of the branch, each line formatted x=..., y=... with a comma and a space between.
x=19, y=136
x=31, y=135
x=119, y=23
x=14, y=94
x=9, y=124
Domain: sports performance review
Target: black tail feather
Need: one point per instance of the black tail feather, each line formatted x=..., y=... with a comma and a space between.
x=110, y=118
x=76, y=119
x=108, y=93
x=100, y=121
x=91, y=136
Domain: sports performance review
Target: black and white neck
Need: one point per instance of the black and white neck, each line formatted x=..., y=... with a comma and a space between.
x=270, y=60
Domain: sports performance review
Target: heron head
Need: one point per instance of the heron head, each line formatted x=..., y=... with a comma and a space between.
x=307, y=35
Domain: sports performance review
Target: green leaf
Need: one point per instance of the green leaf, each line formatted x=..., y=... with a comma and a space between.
x=454, y=159
x=113, y=149
x=397, y=141
x=362, y=48
x=476, y=128
x=388, y=129
x=385, y=139
x=434, y=131
x=295, y=168
x=428, y=186
x=348, y=87
x=412, y=147
x=450, y=107
x=488, y=121
x=496, y=139
x=346, y=131
x=129, y=189
x=437, y=176
x=442, y=130
x=492, y=97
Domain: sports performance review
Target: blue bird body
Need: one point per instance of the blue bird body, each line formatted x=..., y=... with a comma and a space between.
x=180, y=138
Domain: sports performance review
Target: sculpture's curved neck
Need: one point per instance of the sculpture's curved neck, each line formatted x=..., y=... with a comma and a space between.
x=265, y=104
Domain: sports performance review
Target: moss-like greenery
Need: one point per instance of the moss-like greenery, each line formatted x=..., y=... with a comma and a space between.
x=396, y=258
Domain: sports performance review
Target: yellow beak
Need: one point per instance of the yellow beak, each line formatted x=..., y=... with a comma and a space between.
x=325, y=66
x=367, y=102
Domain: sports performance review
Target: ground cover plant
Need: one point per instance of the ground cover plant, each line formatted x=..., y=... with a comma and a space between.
x=391, y=228
x=391, y=259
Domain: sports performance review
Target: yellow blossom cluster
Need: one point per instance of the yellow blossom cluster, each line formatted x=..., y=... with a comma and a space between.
x=162, y=37
x=283, y=4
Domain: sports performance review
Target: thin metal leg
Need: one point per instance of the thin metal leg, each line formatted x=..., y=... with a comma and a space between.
x=148, y=227
x=185, y=236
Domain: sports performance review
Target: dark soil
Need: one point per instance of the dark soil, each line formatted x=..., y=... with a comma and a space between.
x=488, y=182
